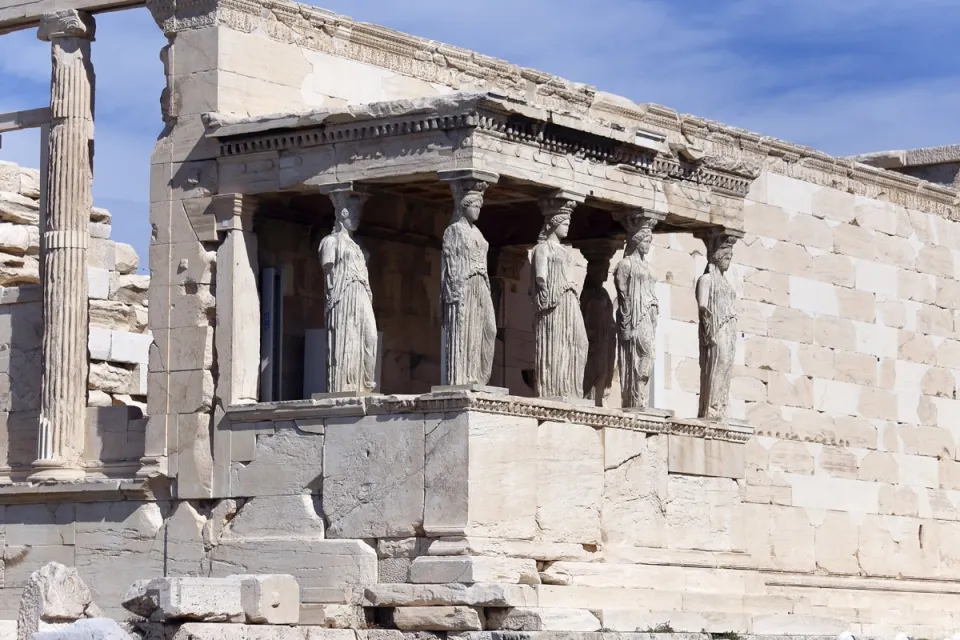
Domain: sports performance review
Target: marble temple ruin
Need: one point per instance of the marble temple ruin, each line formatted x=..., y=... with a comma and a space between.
x=434, y=346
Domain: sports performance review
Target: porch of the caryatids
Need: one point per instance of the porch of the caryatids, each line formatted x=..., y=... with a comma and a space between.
x=560, y=335
x=637, y=309
x=64, y=247
x=468, y=316
x=352, y=337
x=717, y=304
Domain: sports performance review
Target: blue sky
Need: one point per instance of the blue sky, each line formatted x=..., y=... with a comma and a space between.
x=845, y=76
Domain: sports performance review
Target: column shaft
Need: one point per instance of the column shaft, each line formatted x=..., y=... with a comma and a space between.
x=66, y=237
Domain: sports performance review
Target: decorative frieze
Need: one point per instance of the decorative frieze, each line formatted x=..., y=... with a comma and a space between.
x=495, y=403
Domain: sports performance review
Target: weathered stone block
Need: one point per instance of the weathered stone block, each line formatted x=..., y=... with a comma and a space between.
x=480, y=475
x=321, y=567
x=470, y=570
x=701, y=457
x=485, y=594
x=270, y=599
x=542, y=619
x=569, y=482
x=635, y=488
x=200, y=599
x=283, y=516
x=298, y=453
x=373, y=476
x=703, y=513
x=438, y=619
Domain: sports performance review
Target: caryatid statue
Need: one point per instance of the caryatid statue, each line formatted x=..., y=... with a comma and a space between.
x=469, y=320
x=351, y=325
x=560, y=334
x=598, y=318
x=717, y=302
x=637, y=310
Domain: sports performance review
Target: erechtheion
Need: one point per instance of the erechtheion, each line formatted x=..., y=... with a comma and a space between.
x=436, y=345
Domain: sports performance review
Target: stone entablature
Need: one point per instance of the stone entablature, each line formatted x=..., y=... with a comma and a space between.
x=482, y=131
x=719, y=145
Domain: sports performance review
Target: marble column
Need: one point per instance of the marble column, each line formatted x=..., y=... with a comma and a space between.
x=717, y=304
x=559, y=333
x=597, y=307
x=65, y=240
x=637, y=309
x=349, y=318
x=469, y=319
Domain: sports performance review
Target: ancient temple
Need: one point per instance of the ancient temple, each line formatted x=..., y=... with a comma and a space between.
x=466, y=348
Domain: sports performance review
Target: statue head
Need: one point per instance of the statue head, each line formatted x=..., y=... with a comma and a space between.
x=640, y=230
x=720, y=249
x=468, y=199
x=556, y=218
x=347, y=206
x=556, y=225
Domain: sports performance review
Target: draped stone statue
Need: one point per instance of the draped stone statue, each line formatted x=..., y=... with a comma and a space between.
x=469, y=320
x=637, y=312
x=560, y=335
x=351, y=325
x=597, y=308
x=717, y=303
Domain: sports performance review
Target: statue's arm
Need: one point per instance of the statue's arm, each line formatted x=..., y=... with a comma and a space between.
x=328, y=257
x=452, y=263
x=621, y=281
x=703, y=293
x=541, y=286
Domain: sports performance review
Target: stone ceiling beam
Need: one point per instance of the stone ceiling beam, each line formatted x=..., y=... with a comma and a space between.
x=23, y=14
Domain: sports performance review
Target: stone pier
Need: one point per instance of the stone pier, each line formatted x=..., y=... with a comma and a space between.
x=64, y=246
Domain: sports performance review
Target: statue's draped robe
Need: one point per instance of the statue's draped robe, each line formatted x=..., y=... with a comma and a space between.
x=351, y=325
x=469, y=321
x=637, y=325
x=561, y=338
x=718, y=343
x=597, y=309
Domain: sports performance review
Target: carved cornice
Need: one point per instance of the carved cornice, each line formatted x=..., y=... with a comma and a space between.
x=337, y=133
x=727, y=149
x=494, y=119
x=540, y=409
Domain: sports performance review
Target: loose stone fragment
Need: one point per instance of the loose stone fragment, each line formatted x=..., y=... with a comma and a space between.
x=437, y=619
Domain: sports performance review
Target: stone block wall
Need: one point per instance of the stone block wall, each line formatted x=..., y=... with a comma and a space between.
x=118, y=340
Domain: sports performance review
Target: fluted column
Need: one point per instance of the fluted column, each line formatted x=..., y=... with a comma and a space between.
x=65, y=240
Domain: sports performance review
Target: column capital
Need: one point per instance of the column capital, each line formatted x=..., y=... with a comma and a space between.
x=69, y=23
x=560, y=202
x=234, y=211
x=635, y=214
x=718, y=239
x=479, y=175
x=348, y=200
x=599, y=248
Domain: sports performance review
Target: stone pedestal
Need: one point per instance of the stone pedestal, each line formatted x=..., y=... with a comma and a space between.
x=64, y=246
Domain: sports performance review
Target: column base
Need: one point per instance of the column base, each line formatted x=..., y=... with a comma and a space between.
x=47, y=470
